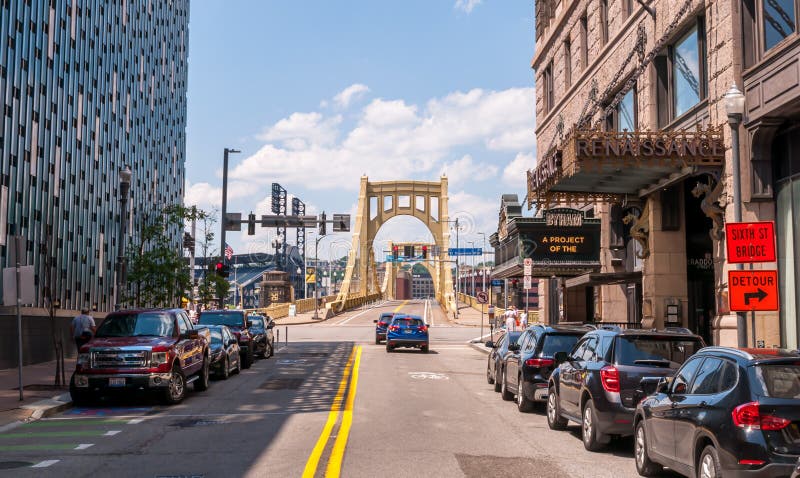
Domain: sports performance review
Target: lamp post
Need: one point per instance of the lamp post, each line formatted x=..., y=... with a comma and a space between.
x=734, y=107
x=124, y=191
x=458, y=272
x=472, y=268
x=316, y=270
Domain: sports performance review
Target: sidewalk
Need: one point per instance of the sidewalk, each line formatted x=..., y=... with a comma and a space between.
x=41, y=397
x=303, y=318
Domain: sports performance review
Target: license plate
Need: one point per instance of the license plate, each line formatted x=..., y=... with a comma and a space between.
x=116, y=382
x=408, y=331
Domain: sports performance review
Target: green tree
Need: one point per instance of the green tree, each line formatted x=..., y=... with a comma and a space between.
x=157, y=270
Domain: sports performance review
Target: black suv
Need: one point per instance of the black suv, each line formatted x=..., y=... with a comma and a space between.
x=597, y=385
x=236, y=320
x=494, y=365
x=530, y=361
x=263, y=340
x=727, y=412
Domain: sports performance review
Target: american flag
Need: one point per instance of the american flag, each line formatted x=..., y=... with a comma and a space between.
x=228, y=251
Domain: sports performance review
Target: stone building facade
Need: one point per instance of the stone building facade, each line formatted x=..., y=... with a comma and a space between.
x=631, y=124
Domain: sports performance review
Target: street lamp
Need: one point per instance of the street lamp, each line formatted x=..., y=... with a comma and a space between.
x=734, y=107
x=125, y=175
x=316, y=271
x=276, y=243
x=472, y=267
x=483, y=260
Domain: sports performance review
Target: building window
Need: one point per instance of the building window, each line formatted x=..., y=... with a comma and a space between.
x=778, y=21
x=584, y=23
x=623, y=117
x=604, y=21
x=627, y=7
x=567, y=62
x=681, y=75
x=547, y=95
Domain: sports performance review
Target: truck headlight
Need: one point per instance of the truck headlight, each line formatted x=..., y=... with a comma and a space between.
x=84, y=359
x=158, y=358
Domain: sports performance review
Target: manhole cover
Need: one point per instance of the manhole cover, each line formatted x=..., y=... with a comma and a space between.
x=195, y=422
x=282, y=384
x=10, y=465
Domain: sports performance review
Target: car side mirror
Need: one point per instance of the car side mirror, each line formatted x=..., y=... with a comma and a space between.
x=249, y=323
x=489, y=344
x=561, y=357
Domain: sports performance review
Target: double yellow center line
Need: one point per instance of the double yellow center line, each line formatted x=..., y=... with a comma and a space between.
x=334, y=468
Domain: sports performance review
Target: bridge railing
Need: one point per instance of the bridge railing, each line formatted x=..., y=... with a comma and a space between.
x=280, y=310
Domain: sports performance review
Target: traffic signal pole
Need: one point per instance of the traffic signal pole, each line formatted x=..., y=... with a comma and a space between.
x=223, y=222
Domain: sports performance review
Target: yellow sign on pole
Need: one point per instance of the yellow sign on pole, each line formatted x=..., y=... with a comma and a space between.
x=311, y=275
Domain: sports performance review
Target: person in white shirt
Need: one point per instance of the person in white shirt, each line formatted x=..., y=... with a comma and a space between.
x=523, y=319
x=511, y=324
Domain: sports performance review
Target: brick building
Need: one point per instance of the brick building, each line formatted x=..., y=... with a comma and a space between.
x=632, y=126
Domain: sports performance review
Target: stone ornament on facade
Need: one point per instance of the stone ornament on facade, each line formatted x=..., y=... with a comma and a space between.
x=710, y=205
x=640, y=228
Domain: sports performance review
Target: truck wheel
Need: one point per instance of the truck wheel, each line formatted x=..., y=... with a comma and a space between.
x=201, y=384
x=79, y=397
x=176, y=388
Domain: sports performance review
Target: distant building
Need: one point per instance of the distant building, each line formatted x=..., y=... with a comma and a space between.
x=86, y=88
x=422, y=286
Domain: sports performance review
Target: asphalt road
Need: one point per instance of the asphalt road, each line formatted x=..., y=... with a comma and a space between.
x=330, y=401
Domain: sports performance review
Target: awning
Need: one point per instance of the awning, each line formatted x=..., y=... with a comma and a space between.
x=516, y=270
x=604, y=278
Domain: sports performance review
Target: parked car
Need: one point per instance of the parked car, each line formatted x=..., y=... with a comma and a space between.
x=529, y=363
x=407, y=331
x=727, y=412
x=494, y=365
x=263, y=340
x=597, y=384
x=381, y=324
x=225, y=357
x=236, y=320
x=143, y=349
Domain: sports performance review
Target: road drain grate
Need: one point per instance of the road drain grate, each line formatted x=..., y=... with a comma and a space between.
x=196, y=422
x=282, y=384
x=10, y=465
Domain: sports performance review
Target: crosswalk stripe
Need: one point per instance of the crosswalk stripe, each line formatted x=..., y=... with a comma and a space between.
x=45, y=464
x=84, y=446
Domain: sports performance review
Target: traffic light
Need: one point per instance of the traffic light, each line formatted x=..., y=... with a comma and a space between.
x=408, y=251
x=424, y=252
x=395, y=252
x=219, y=267
x=322, y=224
x=251, y=224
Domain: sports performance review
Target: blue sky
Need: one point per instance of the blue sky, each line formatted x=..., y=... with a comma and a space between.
x=316, y=93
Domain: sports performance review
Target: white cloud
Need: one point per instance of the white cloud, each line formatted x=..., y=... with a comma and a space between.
x=301, y=130
x=475, y=213
x=466, y=169
x=391, y=139
x=202, y=195
x=352, y=92
x=466, y=5
x=515, y=173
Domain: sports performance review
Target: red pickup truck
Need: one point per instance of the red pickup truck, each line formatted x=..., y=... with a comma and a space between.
x=149, y=349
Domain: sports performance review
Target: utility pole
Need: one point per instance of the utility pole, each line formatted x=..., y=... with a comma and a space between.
x=224, y=221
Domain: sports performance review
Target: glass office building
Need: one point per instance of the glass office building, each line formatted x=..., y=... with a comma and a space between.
x=86, y=87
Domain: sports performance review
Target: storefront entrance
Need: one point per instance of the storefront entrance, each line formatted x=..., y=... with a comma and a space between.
x=699, y=262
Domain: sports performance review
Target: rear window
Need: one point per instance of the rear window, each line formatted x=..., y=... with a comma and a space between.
x=655, y=351
x=513, y=337
x=779, y=380
x=558, y=343
x=407, y=322
x=221, y=318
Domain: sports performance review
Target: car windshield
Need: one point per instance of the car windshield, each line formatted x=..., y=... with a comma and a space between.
x=558, y=343
x=407, y=322
x=155, y=324
x=779, y=380
x=655, y=351
x=220, y=318
x=257, y=322
x=216, y=336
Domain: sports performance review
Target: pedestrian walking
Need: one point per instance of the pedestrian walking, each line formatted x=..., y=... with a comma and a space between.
x=523, y=319
x=82, y=328
x=511, y=323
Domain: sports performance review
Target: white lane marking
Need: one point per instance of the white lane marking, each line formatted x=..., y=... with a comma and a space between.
x=428, y=376
x=111, y=433
x=45, y=464
x=84, y=446
x=425, y=313
x=135, y=421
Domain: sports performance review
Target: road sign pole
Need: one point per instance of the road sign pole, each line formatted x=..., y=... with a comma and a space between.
x=18, y=252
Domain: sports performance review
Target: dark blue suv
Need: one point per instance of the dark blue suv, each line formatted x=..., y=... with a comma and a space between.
x=407, y=331
x=597, y=384
x=381, y=324
x=727, y=412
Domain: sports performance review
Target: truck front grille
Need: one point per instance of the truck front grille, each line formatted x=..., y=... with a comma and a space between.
x=120, y=359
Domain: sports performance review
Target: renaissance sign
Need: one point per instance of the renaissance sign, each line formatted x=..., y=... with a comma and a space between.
x=629, y=145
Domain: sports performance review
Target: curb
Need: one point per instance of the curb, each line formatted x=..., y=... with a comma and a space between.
x=479, y=347
x=41, y=409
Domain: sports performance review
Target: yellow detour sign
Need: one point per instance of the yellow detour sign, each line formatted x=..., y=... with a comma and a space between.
x=311, y=275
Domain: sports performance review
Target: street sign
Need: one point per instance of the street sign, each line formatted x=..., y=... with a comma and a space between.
x=27, y=288
x=753, y=290
x=233, y=221
x=526, y=282
x=750, y=241
x=464, y=251
x=482, y=297
x=311, y=275
x=497, y=282
x=527, y=265
x=341, y=223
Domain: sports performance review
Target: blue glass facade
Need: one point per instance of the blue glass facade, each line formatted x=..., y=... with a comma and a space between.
x=87, y=86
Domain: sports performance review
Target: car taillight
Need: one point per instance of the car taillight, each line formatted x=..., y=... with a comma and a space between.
x=748, y=415
x=609, y=377
x=540, y=362
x=423, y=328
x=394, y=328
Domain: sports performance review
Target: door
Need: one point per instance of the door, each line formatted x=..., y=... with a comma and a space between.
x=674, y=427
x=580, y=360
x=512, y=362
